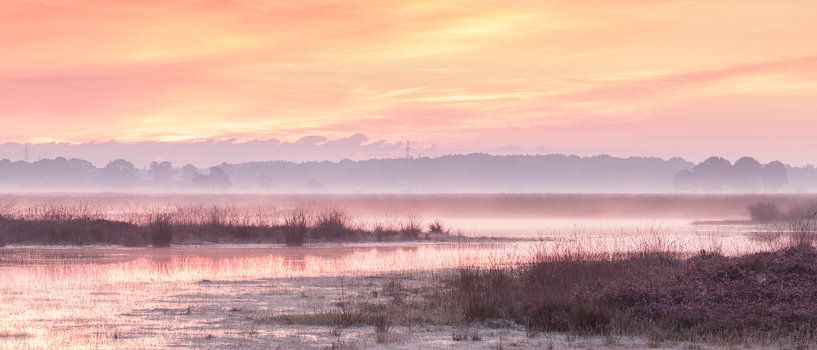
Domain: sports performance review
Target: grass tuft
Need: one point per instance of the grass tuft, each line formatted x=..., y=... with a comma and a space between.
x=161, y=231
x=295, y=228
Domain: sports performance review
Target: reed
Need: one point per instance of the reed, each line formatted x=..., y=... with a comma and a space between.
x=648, y=292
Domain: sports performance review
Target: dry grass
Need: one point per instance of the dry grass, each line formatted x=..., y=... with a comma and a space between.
x=332, y=224
x=160, y=227
x=768, y=212
x=295, y=228
x=763, y=297
x=161, y=231
x=437, y=226
x=411, y=226
x=802, y=230
x=652, y=292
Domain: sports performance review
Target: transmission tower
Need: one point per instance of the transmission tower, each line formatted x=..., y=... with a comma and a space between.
x=408, y=149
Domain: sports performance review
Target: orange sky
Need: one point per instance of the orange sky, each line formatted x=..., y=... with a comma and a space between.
x=688, y=78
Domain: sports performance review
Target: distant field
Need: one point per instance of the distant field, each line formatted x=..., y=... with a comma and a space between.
x=697, y=206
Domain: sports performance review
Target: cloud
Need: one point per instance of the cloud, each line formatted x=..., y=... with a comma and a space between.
x=449, y=73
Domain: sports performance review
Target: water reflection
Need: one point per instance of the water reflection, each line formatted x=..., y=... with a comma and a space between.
x=37, y=267
x=21, y=267
x=105, y=297
x=84, y=297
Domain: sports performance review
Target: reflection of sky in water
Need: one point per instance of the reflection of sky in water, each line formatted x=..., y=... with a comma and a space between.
x=61, y=297
x=87, y=265
x=19, y=266
x=67, y=297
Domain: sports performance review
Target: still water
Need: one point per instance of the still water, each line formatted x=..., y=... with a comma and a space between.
x=187, y=297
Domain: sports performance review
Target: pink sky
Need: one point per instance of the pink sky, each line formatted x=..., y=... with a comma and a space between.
x=687, y=78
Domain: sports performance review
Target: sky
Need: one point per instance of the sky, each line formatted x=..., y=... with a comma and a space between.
x=631, y=77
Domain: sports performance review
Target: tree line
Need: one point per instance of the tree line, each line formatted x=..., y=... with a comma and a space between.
x=63, y=173
x=717, y=174
x=447, y=174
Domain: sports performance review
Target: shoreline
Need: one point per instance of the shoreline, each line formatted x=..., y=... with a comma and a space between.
x=322, y=297
x=314, y=245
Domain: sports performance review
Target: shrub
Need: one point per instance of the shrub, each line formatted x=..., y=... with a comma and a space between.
x=332, y=224
x=295, y=228
x=161, y=227
x=464, y=334
x=3, y=229
x=138, y=238
x=706, y=296
x=803, y=230
x=765, y=212
x=802, y=211
x=161, y=231
x=483, y=294
x=437, y=227
x=382, y=327
x=411, y=226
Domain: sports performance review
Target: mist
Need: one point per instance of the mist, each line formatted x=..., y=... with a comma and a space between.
x=209, y=152
x=469, y=173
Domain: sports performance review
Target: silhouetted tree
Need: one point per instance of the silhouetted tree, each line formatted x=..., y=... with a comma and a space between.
x=219, y=178
x=712, y=174
x=118, y=173
x=463, y=173
x=684, y=180
x=215, y=179
x=189, y=173
x=775, y=176
x=162, y=173
x=717, y=174
x=747, y=174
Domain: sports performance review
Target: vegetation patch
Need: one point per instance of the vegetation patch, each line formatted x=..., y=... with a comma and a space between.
x=190, y=225
x=762, y=296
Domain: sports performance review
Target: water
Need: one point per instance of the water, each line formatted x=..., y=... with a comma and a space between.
x=219, y=296
x=109, y=297
x=84, y=297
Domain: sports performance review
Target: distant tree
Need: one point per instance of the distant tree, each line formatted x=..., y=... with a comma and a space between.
x=190, y=173
x=118, y=173
x=162, y=173
x=712, y=173
x=775, y=176
x=684, y=180
x=61, y=173
x=713, y=166
x=315, y=186
x=470, y=172
x=216, y=179
x=219, y=178
x=748, y=165
x=747, y=174
x=717, y=174
x=264, y=181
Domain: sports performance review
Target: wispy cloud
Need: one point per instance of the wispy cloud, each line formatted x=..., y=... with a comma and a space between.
x=448, y=73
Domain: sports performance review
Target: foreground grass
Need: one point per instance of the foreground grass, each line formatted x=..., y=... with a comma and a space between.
x=762, y=298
